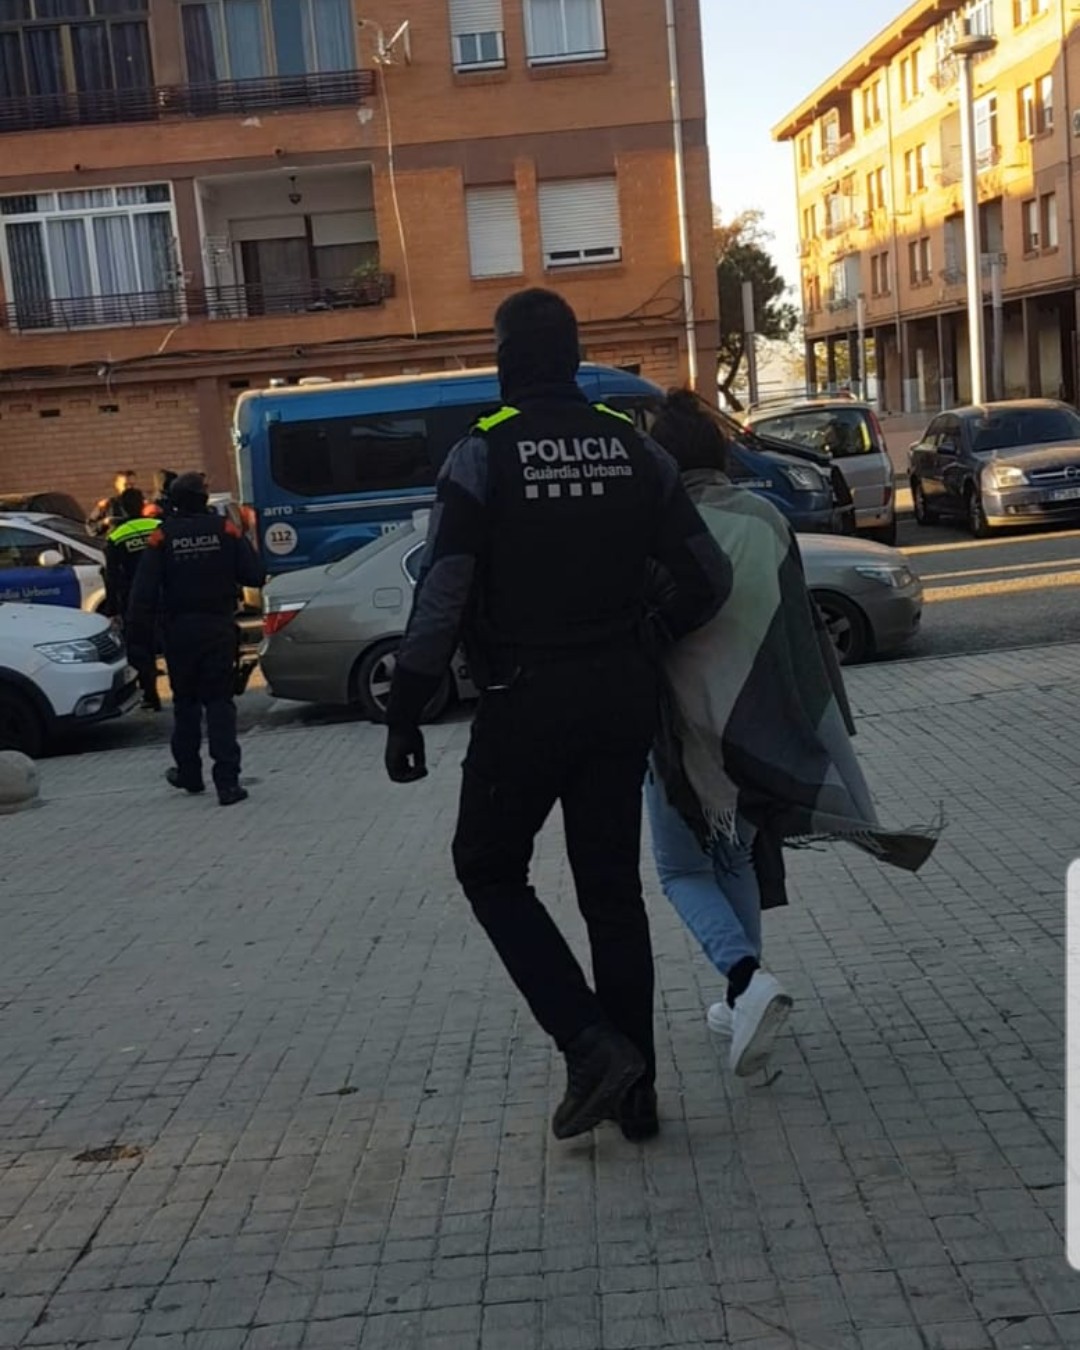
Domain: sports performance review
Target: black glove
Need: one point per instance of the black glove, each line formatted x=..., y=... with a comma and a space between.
x=405, y=759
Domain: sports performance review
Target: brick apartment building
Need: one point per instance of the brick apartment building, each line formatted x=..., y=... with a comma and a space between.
x=199, y=195
x=878, y=162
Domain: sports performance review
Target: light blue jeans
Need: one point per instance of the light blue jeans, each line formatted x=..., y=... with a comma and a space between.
x=716, y=894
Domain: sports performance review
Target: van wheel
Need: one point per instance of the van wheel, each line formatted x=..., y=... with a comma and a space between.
x=371, y=683
x=846, y=626
x=20, y=726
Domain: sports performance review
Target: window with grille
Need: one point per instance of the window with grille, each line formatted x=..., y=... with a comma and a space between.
x=579, y=222
x=93, y=256
x=53, y=48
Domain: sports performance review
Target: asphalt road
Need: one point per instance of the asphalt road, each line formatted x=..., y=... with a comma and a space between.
x=1011, y=590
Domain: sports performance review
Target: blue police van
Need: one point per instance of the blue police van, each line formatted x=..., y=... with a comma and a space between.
x=326, y=467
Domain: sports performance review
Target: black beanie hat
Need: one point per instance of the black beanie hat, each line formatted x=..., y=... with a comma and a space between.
x=188, y=493
x=536, y=335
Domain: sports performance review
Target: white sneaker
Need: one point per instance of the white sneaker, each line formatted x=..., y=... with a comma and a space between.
x=758, y=1018
x=719, y=1018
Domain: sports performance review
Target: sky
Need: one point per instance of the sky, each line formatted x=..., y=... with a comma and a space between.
x=762, y=58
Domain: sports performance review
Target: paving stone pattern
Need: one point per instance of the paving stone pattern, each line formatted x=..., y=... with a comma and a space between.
x=338, y=1110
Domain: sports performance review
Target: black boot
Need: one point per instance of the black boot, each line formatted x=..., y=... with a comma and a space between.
x=172, y=777
x=601, y=1066
x=637, y=1117
x=229, y=796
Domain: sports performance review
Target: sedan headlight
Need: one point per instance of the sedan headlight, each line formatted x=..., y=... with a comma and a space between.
x=895, y=575
x=805, y=479
x=69, y=653
x=1004, y=476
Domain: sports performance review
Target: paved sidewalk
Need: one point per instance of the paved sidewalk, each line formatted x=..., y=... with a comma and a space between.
x=337, y=1112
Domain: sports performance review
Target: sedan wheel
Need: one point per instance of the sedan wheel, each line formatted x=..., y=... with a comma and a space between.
x=846, y=625
x=20, y=726
x=372, y=679
x=976, y=516
x=923, y=514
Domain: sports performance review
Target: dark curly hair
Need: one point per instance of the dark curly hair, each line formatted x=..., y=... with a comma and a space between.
x=691, y=431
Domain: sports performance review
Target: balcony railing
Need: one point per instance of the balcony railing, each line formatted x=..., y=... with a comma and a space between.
x=840, y=226
x=151, y=104
x=833, y=149
x=251, y=300
x=215, y=302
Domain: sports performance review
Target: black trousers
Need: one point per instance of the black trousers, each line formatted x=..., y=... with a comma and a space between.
x=200, y=652
x=577, y=732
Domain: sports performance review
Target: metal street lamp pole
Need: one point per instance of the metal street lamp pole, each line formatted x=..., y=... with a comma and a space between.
x=965, y=51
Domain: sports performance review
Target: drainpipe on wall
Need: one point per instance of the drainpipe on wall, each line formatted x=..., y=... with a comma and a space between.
x=1070, y=223
x=901, y=352
x=680, y=196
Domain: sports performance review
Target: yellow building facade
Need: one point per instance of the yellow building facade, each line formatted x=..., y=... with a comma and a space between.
x=880, y=199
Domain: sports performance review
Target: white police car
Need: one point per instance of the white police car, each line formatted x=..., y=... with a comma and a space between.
x=47, y=560
x=59, y=670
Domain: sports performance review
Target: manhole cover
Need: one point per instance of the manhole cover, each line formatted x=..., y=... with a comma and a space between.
x=110, y=1153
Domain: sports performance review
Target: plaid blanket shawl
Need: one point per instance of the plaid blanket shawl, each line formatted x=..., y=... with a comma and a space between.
x=755, y=721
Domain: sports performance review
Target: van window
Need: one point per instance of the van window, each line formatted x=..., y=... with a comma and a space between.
x=345, y=456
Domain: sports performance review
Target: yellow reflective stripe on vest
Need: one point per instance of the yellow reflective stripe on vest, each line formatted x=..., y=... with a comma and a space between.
x=496, y=419
x=611, y=412
x=131, y=528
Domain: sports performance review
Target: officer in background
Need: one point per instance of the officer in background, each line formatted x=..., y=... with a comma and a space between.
x=192, y=571
x=158, y=505
x=124, y=547
x=109, y=512
x=547, y=519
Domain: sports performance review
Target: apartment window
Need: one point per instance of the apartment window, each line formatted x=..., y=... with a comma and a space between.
x=910, y=85
x=1048, y=220
x=919, y=268
x=986, y=131
x=979, y=18
x=1044, y=104
x=830, y=135
x=806, y=151
x=837, y=211
x=880, y=279
x=564, y=30
x=872, y=104
x=494, y=231
x=1026, y=10
x=86, y=46
x=875, y=189
x=838, y=279
x=1035, y=113
x=809, y=222
x=254, y=39
x=476, y=27
x=579, y=222
x=94, y=256
x=1026, y=112
x=915, y=169
x=813, y=294
x=1029, y=212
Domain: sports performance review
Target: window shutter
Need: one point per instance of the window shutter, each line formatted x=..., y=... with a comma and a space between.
x=475, y=16
x=494, y=232
x=579, y=222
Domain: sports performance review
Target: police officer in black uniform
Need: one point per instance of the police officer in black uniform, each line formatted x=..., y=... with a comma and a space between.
x=547, y=519
x=192, y=570
x=124, y=546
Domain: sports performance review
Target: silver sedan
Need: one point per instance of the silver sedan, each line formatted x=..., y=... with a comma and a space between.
x=331, y=633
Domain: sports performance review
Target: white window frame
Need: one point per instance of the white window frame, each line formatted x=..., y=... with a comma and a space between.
x=565, y=57
x=1048, y=221
x=979, y=18
x=1029, y=212
x=986, y=131
x=114, y=206
x=1044, y=103
x=1027, y=112
x=477, y=198
x=466, y=22
x=552, y=197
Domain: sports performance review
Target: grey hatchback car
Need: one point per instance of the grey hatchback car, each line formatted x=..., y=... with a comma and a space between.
x=850, y=434
x=332, y=633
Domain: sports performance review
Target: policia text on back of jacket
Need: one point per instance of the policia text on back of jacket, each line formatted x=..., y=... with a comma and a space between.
x=547, y=518
x=193, y=568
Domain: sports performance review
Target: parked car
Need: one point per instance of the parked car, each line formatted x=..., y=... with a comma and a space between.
x=849, y=435
x=1009, y=463
x=59, y=669
x=50, y=560
x=43, y=503
x=332, y=633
